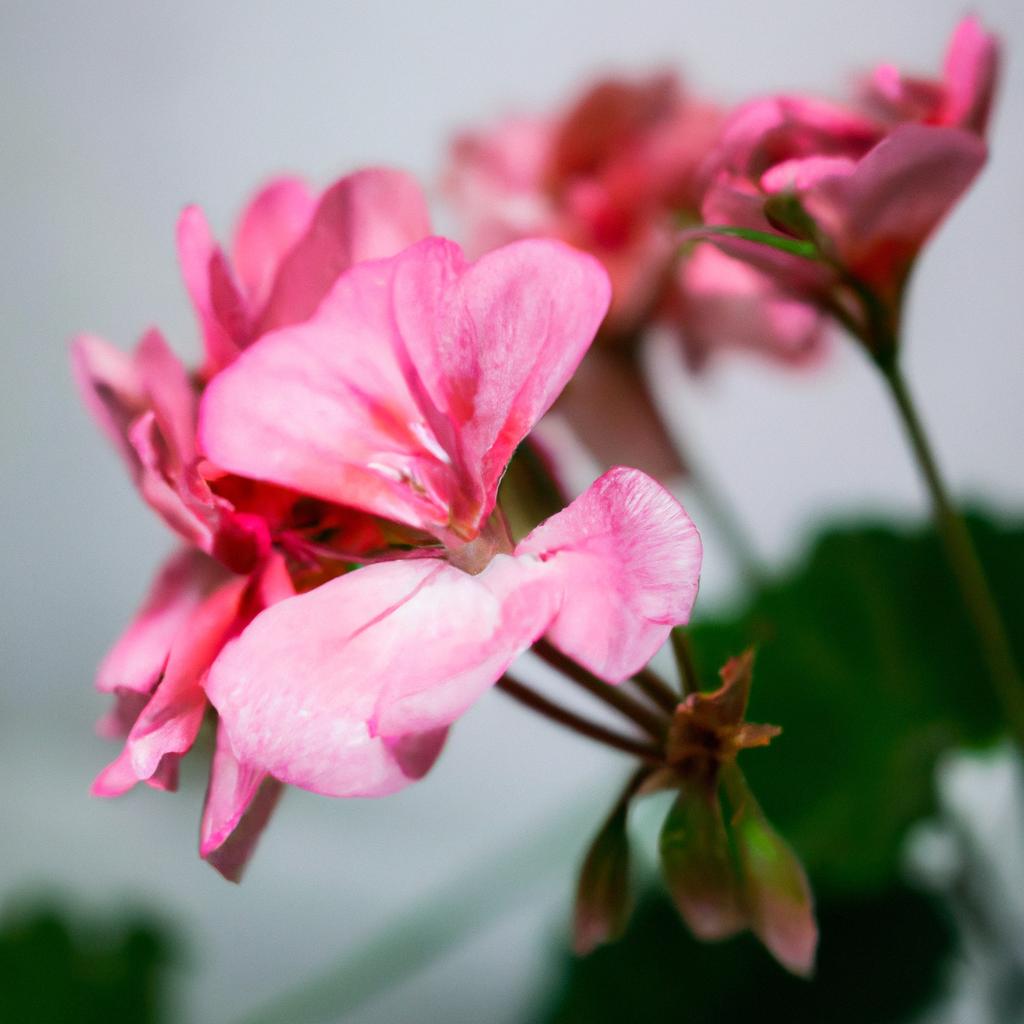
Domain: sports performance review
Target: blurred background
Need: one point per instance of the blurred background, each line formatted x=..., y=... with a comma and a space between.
x=113, y=116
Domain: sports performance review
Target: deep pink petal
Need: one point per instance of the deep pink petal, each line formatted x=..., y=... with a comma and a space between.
x=318, y=688
x=897, y=196
x=366, y=216
x=239, y=802
x=269, y=227
x=161, y=481
x=629, y=558
x=170, y=721
x=488, y=346
x=137, y=660
x=971, y=72
x=220, y=308
x=323, y=408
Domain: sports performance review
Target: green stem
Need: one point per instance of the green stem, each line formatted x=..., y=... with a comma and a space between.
x=963, y=559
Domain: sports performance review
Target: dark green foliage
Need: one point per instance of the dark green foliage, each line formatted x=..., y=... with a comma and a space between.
x=867, y=663
x=881, y=956
x=55, y=971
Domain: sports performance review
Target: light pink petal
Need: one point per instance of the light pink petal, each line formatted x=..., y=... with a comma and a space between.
x=897, y=196
x=495, y=181
x=971, y=73
x=220, y=308
x=267, y=230
x=366, y=216
x=629, y=558
x=169, y=723
x=727, y=303
x=467, y=630
x=488, y=347
x=112, y=390
x=137, y=660
x=318, y=688
x=239, y=802
x=805, y=172
x=323, y=408
x=146, y=405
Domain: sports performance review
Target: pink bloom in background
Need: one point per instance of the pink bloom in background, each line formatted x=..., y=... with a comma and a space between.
x=962, y=98
x=405, y=395
x=868, y=193
x=237, y=533
x=616, y=174
x=606, y=176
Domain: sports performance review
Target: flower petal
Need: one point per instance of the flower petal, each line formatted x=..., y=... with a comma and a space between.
x=316, y=690
x=239, y=802
x=111, y=388
x=896, y=197
x=366, y=216
x=170, y=721
x=271, y=224
x=323, y=408
x=971, y=71
x=488, y=346
x=137, y=659
x=220, y=308
x=628, y=557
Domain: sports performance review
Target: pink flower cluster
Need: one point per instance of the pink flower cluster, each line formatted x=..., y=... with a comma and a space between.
x=631, y=162
x=347, y=586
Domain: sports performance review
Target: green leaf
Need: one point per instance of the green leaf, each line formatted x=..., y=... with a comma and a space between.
x=881, y=958
x=59, y=966
x=794, y=246
x=867, y=662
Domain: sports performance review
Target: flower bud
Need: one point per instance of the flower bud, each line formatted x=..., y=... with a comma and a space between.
x=603, y=898
x=698, y=866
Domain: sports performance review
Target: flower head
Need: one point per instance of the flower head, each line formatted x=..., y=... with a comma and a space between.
x=405, y=395
x=247, y=543
x=834, y=203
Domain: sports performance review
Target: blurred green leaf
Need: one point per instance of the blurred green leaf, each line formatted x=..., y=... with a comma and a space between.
x=866, y=661
x=881, y=957
x=57, y=969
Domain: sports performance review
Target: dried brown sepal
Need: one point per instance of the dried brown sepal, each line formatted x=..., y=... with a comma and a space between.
x=708, y=730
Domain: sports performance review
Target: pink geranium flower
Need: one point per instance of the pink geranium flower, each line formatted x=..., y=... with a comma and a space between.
x=405, y=395
x=863, y=193
x=246, y=543
x=615, y=174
